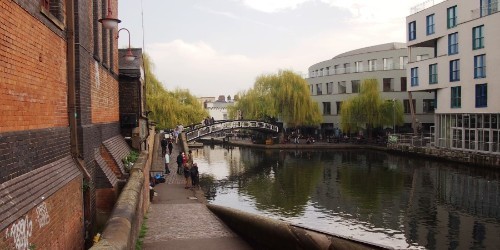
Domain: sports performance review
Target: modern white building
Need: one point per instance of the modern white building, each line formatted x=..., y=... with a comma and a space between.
x=336, y=80
x=464, y=36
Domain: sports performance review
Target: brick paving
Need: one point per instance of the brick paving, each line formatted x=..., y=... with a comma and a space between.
x=177, y=220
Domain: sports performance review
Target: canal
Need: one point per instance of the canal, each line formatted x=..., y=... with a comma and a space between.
x=396, y=201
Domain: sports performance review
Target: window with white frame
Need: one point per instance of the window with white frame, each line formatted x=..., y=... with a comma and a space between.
x=403, y=61
x=388, y=63
x=329, y=88
x=372, y=65
x=342, y=87
x=358, y=66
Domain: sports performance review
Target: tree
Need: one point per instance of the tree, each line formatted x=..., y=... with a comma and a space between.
x=284, y=96
x=170, y=109
x=369, y=110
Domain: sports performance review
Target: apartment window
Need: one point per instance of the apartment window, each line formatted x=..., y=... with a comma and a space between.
x=403, y=61
x=414, y=76
x=339, y=107
x=388, y=84
x=388, y=64
x=422, y=57
x=336, y=69
x=481, y=95
x=372, y=65
x=327, y=71
x=347, y=67
x=358, y=66
x=355, y=86
x=428, y=105
x=329, y=88
x=480, y=66
x=311, y=89
x=454, y=70
x=478, y=37
x=406, y=106
x=456, y=97
x=433, y=74
x=319, y=89
x=327, y=108
x=403, y=83
x=488, y=7
x=430, y=24
x=342, y=88
x=453, y=44
x=452, y=17
x=412, y=31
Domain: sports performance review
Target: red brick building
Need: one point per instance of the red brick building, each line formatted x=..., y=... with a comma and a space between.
x=60, y=142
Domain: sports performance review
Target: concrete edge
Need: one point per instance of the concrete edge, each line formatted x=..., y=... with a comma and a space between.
x=268, y=233
x=121, y=228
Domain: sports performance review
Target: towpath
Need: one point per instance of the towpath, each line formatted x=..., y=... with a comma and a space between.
x=178, y=220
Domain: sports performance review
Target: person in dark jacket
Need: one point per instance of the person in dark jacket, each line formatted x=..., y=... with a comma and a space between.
x=195, y=178
x=179, y=163
x=163, y=144
x=170, y=147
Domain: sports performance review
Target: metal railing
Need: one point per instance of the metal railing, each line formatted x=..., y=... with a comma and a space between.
x=424, y=5
x=421, y=140
x=198, y=131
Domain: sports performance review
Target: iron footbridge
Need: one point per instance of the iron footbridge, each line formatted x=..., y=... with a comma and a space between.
x=198, y=131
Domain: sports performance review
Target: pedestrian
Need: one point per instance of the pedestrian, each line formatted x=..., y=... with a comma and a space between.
x=179, y=163
x=187, y=175
x=167, y=161
x=170, y=147
x=195, y=178
x=163, y=146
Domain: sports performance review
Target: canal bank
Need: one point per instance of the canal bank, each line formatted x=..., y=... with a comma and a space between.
x=470, y=158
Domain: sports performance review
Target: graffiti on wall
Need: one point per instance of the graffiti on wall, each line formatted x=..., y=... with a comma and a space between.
x=42, y=213
x=20, y=231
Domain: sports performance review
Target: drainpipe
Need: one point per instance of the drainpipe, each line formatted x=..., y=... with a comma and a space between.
x=71, y=69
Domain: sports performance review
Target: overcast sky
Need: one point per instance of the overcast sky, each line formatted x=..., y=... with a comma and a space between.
x=219, y=47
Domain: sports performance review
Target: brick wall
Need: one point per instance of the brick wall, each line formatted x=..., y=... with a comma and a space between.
x=55, y=223
x=104, y=96
x=33, y=88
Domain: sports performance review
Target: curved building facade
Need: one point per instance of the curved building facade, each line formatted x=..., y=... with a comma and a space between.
x=333, y=81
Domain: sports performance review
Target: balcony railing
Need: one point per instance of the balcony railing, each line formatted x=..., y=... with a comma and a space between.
x=424, y=5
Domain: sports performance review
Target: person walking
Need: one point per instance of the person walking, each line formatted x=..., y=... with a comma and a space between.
x=195, y=178
x=163, y=145
x=179, y=163
x=170, y=147
x=167, y=161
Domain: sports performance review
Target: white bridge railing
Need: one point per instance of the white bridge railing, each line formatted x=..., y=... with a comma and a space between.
x=200, y=130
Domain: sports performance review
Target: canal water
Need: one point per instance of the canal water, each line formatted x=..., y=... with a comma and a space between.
x=396, y=201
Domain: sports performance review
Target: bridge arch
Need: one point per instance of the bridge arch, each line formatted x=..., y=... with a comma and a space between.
x=199, y=131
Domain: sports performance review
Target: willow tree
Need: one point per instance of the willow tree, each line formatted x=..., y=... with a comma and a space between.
x=170, y=108
x=283, y=96
x=368, y=110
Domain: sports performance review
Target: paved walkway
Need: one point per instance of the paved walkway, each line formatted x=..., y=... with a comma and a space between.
x=178, y=220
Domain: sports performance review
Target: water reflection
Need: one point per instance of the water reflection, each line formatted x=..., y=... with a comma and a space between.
x=397, y=201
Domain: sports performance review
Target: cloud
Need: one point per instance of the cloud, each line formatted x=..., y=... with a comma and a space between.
x=203, y=70
x=270, y=6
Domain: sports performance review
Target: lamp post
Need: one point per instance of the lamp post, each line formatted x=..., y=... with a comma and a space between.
x=393, y=115
x=129, y=57
x=109, y=22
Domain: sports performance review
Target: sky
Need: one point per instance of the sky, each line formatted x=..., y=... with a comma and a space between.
x=219, y=47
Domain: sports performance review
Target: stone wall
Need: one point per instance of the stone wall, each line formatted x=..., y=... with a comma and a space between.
x=467, y=157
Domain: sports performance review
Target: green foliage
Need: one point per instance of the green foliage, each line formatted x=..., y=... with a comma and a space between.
x=369, y=110
x=130, y=159
x=142, y=234
x=283, y=96
x=170, y=109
